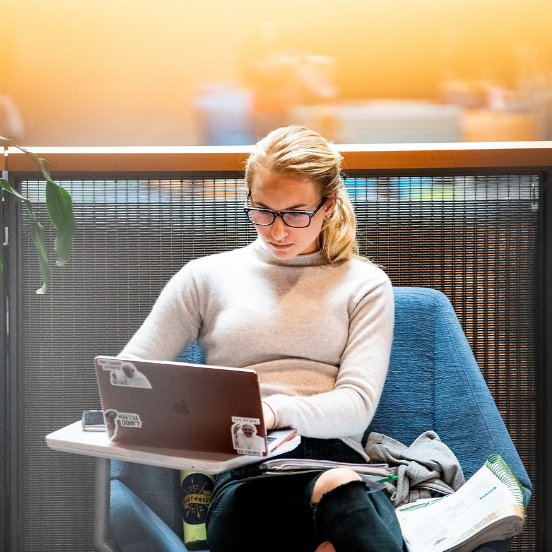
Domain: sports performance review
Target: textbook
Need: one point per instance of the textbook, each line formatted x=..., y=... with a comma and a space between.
x=490, y=506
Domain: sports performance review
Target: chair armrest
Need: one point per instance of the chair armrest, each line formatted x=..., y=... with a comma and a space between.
x=136, y=527
x=468, y=419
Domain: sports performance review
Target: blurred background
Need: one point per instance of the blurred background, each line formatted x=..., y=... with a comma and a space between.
x=176, y=72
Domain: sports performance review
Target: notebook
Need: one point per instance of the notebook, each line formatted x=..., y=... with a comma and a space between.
x=176, y=405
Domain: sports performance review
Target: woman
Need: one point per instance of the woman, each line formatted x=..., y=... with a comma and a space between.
x=315, y=321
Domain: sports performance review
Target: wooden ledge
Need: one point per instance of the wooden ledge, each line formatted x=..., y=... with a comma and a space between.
x=232, y=158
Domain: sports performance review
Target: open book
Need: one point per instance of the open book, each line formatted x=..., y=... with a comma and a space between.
x=490, y=506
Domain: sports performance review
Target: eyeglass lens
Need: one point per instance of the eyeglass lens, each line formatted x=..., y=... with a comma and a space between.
x=297, y=220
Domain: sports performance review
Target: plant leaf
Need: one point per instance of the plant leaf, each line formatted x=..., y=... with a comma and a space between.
x=59, y=205
x=60, y=209
x=40, y=244
x=37, y=234
x=7, y=186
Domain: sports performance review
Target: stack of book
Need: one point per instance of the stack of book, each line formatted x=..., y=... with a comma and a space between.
x=375, y=475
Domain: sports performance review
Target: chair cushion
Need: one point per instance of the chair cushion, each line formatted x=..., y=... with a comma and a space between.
x=409, y=391
x=158, y=488
x=136, y=527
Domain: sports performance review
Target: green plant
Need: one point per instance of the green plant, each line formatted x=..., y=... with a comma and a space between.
x=60, y=213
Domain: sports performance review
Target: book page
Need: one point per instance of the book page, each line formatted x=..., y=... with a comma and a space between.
x=438, y=525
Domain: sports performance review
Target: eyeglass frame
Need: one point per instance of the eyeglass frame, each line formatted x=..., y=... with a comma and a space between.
x=281, y=214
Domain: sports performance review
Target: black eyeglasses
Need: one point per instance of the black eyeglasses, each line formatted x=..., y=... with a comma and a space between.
x=294, y=219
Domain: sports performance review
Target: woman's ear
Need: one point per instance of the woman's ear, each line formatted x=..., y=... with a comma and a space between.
x=329, y=207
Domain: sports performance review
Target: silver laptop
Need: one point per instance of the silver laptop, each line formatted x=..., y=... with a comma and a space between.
x=175, y=405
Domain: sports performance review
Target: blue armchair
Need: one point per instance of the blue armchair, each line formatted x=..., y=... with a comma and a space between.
x=434, y=383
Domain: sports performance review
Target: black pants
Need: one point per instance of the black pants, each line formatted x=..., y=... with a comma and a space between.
x=276, y=514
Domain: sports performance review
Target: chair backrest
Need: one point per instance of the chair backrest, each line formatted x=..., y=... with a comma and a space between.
x=434, y=383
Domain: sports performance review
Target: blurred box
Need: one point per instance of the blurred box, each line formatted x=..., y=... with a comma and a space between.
x=490, y=125
x=383, y=121
x=224, y=115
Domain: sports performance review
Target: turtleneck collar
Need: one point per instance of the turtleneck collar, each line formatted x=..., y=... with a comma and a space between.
x=260, y=250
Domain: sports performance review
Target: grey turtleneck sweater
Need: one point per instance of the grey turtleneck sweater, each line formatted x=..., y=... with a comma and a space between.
x=318, y=335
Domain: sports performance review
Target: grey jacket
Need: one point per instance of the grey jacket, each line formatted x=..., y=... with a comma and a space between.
x=427, y=468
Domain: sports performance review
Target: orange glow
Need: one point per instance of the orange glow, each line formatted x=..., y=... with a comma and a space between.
x=125, y=72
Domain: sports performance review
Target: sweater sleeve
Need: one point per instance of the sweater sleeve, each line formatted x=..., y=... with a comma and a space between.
x=172, y=324
x=348, y=408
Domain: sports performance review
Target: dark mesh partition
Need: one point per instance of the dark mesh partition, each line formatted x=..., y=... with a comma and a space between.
x=474, y=238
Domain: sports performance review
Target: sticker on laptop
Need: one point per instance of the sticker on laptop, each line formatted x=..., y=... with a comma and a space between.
x=245, y=438
x=114, y=420
x=124, y=373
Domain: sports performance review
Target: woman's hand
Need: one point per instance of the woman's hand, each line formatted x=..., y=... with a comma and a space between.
x=269, y=417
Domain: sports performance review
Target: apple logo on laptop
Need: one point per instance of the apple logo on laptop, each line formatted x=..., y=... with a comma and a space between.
x=181, y=407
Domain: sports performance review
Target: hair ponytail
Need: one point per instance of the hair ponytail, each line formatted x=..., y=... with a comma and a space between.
x=337, y=239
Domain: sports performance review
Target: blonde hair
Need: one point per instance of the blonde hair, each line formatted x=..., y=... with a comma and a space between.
x=298, y=150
